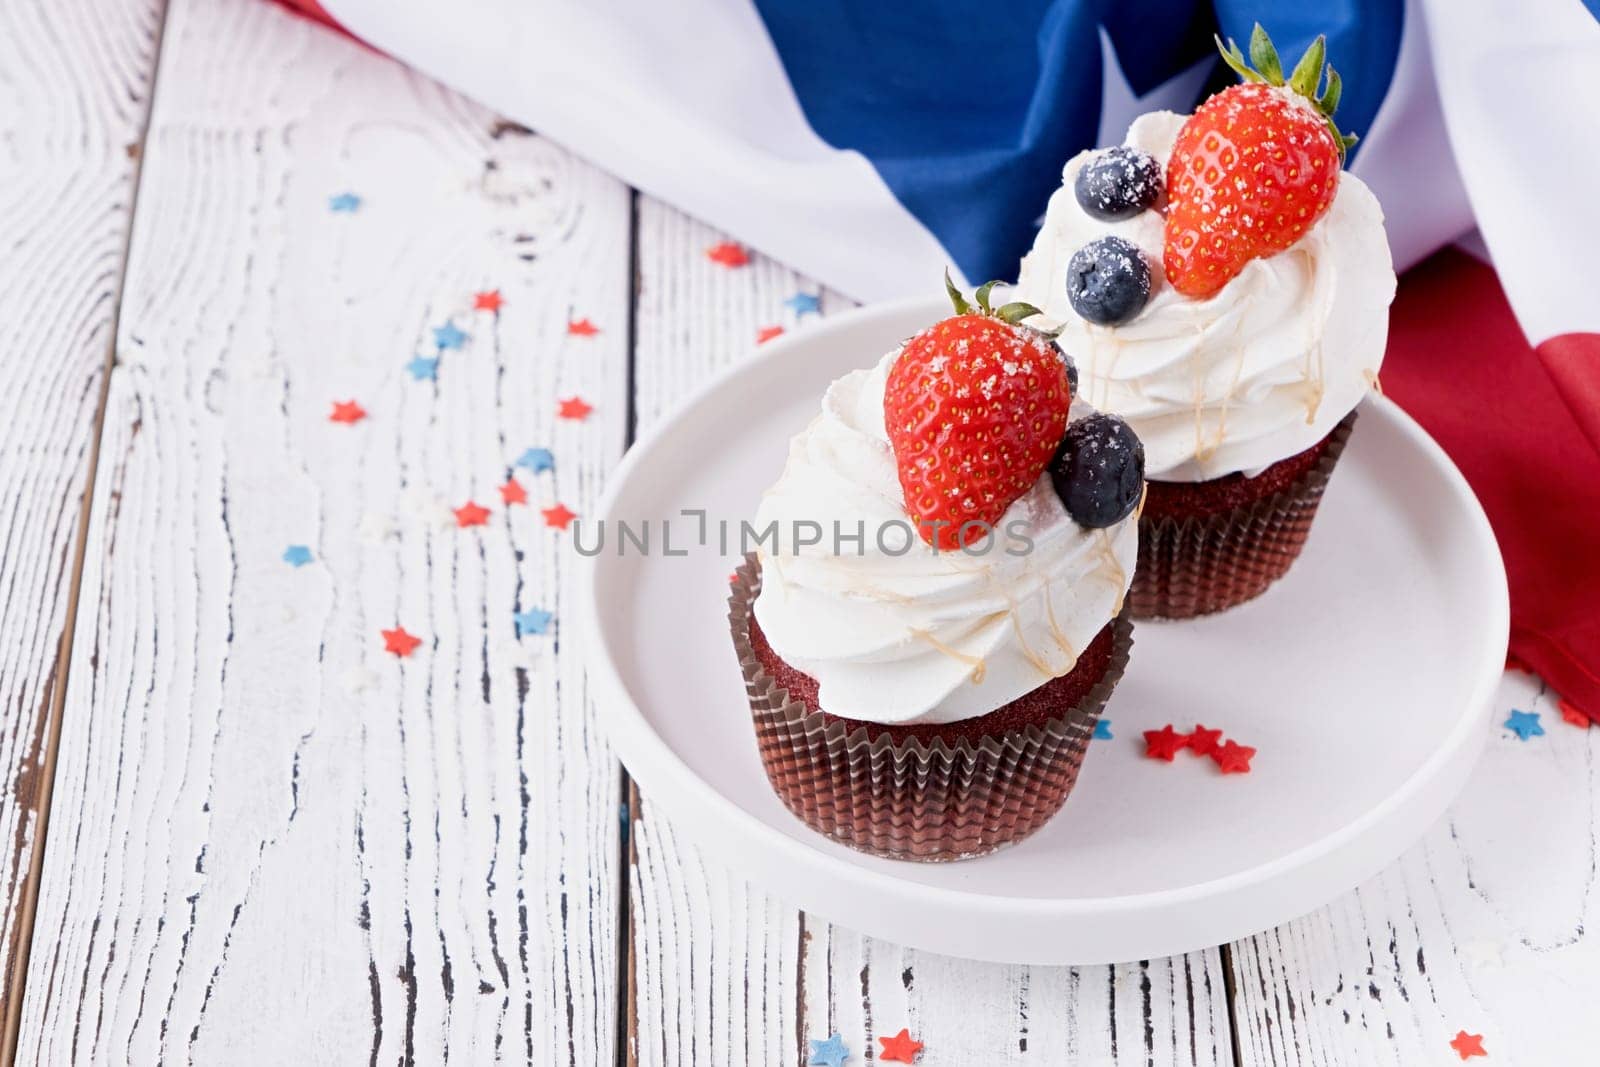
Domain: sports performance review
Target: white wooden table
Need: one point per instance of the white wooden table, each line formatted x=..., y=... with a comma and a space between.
x=240, y=832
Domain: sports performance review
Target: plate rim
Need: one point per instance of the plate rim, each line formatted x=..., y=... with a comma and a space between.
x=660, y=770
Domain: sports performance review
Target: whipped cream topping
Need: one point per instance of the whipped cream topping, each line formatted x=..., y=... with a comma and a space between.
x=1260, y=370
x=923, y=636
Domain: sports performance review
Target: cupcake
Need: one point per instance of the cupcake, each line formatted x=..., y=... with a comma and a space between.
x=934, y=619
x=1223, y=286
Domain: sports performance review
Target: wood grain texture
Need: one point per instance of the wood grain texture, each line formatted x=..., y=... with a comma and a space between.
x=273, y=842
x=1483, y=926
x=722, y=973
x=75, y=79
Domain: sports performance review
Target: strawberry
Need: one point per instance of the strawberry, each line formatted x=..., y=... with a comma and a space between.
x=1253, y=168
x=975, y=407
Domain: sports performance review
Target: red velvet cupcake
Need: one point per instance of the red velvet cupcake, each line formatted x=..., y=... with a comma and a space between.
x=1224, y=286
x=925, y=667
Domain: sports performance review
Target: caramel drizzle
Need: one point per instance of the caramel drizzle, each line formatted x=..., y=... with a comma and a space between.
x=1056, y=633
x=1118, y=575
x=1315, y=381
x=979, y=667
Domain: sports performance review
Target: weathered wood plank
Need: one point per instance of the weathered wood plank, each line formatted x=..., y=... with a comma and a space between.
x=1483, y=926
x=75, y=80
x=272, y=841
x=723, y=973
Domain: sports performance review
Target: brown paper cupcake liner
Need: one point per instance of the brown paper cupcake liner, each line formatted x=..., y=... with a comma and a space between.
x=1197, y=565
x=914, y=800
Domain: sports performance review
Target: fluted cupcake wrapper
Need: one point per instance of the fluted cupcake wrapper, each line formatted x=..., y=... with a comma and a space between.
x=914, y=800
x=1204, y=564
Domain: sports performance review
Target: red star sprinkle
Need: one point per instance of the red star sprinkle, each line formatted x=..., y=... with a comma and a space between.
x=1233, y=757
x=1467, y=1045
x=558, y=516
x=1165, y=743
x=582, y=328
x=899, y=1048
x=471, y=514
x=347, y=411
x=1570, y=713
x=491, y=300
x=1204, y=742
x=767, y=333
x=728, y=254
x=513, y=493
x=573, y=408
x=399, y=642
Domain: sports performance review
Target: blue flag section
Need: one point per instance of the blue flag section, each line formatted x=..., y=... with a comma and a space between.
x=968, y=116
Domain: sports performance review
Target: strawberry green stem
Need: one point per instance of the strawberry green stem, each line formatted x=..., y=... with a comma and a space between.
x=1305, y=79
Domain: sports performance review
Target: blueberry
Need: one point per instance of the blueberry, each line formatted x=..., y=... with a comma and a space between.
x=1108, y=281
x=1118, y=183
x=1098, y=471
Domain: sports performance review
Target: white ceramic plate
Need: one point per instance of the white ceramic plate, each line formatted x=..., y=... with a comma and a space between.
x=1364, y=679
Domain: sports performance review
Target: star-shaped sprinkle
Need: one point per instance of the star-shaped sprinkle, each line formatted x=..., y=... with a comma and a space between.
x=804, y=303
x=558, y=516
x=829, y=1053
x=582, y=328
x=344, y=204
x=347, y=411
x=1524, y=724
x=471, y=514
x=767, y=333
x=1102, y=730
x=399, y=642
x=489, y=300
x=1165, y=743
x=573, y=407
x=423, y=369
x=728, y=254
x=1203, y=742
x=537, y=459
x=297, y=555
x=532, y=621
x=1467, y=1045
x=1570, y=713
x=513, y=493
x=1233, y=757
x=900, y=1047
x=448, y=336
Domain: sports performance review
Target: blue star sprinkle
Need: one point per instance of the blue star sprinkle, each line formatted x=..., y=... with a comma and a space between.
x=448, y=336
x=829, y=1053
x=344, y=203
x=1102, y=730
x=1524, y=724
x=803, y=303
x=537, y=459
x=532, y=621
x=297, y=555
x=423, y=369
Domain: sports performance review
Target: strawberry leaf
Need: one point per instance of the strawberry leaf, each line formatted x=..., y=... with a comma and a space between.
x=960, y=302
x=1015, y=312
x=983, y=295
x=1265, y=57
x=1308, y=71
x=1328, y=102
x=1235, y=60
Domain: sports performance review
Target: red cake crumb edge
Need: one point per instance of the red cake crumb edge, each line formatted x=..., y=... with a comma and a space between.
x=1179, y=500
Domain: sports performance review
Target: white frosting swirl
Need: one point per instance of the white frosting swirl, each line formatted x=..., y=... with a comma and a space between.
x=1258, y=371
x=923, y=636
